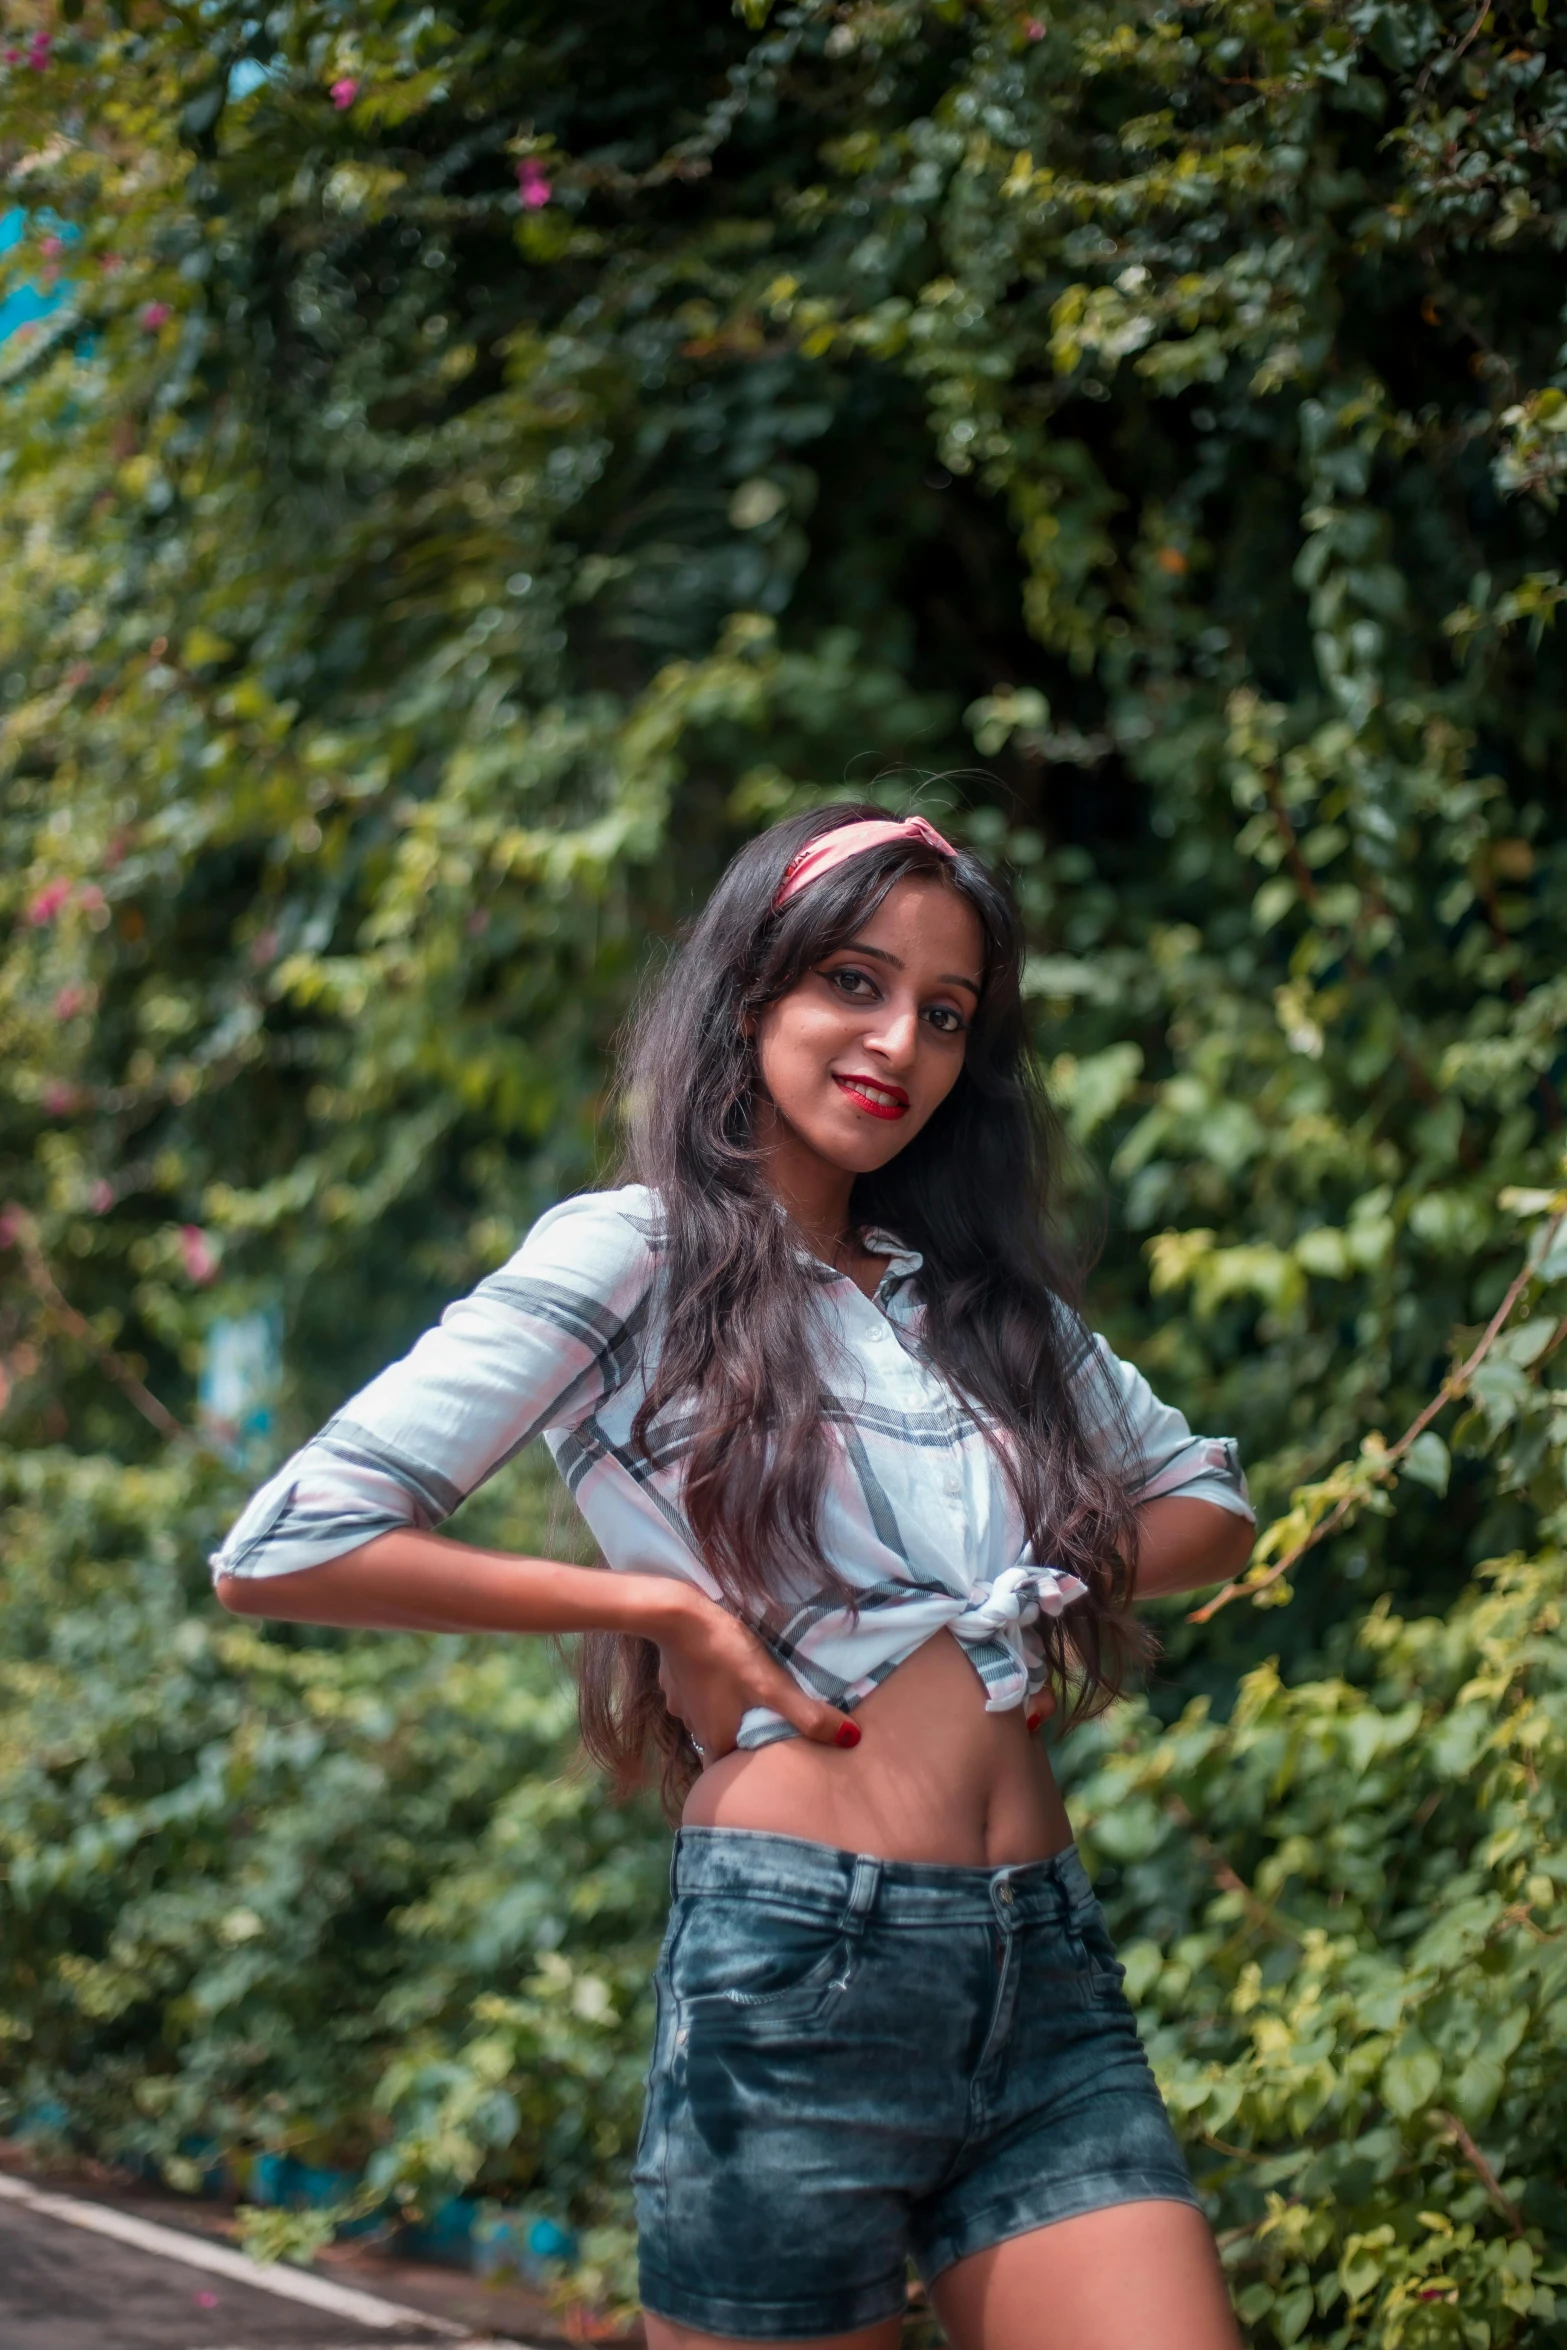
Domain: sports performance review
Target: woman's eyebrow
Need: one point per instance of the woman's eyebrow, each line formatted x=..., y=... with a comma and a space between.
x=881, y=955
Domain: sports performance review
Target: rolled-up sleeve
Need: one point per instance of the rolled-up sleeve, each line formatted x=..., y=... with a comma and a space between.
x=537, y=1345
x=1153, y=1440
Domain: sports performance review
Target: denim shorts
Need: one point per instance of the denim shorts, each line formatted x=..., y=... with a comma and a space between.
x=858, y=2061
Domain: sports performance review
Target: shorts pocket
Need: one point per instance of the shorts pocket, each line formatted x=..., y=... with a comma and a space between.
x=1069, y=1961
x=1092, y=1936
x=734, y=1958
x=643, y=2168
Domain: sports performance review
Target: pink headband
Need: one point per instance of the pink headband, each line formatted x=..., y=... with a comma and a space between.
x=849, y=840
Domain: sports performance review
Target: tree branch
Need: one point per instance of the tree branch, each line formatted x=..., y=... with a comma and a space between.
x=1223, y=1875
x=41, y=1281
x=1431, y=63
x=1452, y=1387
x=1451, y=2127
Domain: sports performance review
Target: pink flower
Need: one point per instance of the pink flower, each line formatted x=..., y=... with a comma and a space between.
x=70, y=1001
x=1034, y=30
x=59, y=1098
x=49, y=246
x=43, y=908
x=13, y=57
x=197, y=1256
x=263, y=949
x=110, y=261
x=532, y=183
x=38, y=54
x=101, y=1197
x=206, y=2300
x=10, y=1225
x=152, y=315
x=343, y=94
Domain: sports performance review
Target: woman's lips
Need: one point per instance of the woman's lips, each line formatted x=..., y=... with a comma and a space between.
x=880, y=1101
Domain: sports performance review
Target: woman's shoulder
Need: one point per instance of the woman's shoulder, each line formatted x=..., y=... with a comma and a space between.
x=599, y=1241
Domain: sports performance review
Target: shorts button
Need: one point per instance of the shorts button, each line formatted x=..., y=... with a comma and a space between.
x=1004, y=1896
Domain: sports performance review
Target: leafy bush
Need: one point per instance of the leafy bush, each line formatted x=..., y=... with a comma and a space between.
x=482, y=466
x=1338, y=1908
x=347, y=1900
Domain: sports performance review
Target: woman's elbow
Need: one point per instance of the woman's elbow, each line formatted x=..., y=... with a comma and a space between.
x=1232, y=1544
x=242, y=1595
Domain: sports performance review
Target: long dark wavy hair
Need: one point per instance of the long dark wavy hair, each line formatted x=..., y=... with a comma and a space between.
x=736, y=1386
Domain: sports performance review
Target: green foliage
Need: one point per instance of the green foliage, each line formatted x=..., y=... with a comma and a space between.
x=487, y=463
x=1363, y=1983
x=349, y=1902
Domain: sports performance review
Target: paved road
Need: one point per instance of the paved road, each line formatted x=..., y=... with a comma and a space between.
x=61, y=2289
x=65, y=2285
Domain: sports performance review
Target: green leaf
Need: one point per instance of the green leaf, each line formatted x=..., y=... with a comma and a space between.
x=1411, y=2076
x=199, y=113
x=1293, y=2312
x=1427, y=1462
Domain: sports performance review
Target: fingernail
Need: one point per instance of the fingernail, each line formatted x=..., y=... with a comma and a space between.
x=1034, y=1721
x=848, y=1736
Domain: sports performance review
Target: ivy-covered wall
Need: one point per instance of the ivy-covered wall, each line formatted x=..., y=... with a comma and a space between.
x=486, y=461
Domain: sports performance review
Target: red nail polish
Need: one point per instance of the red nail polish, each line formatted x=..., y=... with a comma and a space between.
x=848, y=1736
x=1034, y=1721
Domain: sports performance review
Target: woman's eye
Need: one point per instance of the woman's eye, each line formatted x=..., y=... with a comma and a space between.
x=944, y=1018
x=850, y=982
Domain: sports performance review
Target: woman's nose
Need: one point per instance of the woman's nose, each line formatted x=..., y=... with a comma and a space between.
x=896, y=1036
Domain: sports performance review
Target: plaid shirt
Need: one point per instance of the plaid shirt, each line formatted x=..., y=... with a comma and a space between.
x=917, y=1514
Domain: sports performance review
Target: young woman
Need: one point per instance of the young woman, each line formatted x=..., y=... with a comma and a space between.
x=875, y=1500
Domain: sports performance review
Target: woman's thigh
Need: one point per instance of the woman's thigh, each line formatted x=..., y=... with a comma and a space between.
x=1117, y=2279
x=661, y=2335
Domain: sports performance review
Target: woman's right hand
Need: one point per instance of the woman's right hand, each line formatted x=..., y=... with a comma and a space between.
x=713, y=1669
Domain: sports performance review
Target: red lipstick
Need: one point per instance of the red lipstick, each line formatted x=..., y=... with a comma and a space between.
x=874, y=1095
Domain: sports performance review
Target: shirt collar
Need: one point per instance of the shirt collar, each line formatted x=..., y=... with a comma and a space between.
x=901, y=1261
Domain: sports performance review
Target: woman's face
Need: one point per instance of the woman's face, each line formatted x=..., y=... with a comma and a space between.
x=869, y=1044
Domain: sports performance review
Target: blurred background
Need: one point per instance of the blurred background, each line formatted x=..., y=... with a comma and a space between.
x=464, y=469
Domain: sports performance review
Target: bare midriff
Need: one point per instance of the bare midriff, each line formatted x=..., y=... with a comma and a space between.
x=934, y=1777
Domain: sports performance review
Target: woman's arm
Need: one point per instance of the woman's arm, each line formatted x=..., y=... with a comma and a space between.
x=415, y=1582
x=1195, y=1523
x=536, y=1346
x=1183, y=1545
x=714, y=1667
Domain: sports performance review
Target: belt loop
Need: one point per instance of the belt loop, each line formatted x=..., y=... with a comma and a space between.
x=674, y=1866
x=863, y=1889
x=1065, y=1904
